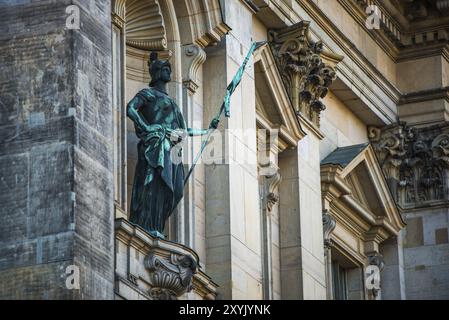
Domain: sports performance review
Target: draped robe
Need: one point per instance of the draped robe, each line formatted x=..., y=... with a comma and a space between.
x=159, y=176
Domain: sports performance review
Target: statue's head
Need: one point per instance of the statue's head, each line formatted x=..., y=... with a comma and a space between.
x=160, y=70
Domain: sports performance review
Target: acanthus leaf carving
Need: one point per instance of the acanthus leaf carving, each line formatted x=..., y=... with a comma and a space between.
x=305, y=74
x=415, y=161
x=170, y=278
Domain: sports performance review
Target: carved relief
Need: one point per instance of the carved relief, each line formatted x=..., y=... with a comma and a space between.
x=170, y=278
x=194, y=58
x=305, y=75
x=414, y=160
x=272, y=196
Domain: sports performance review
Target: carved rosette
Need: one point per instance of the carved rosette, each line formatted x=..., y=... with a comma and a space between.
x=415, y=161
x=305, y=75
x=171, y=278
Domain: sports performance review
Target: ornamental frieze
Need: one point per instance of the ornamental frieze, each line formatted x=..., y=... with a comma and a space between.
x=415, y=162
x=307, y=70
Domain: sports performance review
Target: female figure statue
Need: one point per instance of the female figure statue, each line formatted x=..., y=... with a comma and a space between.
x=160, y=126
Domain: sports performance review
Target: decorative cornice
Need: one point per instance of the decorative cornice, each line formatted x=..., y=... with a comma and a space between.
x=397, y=35
x=208, y=27
x=425, y=95
x=352, y=52
x=388, y=40
x=303, y=69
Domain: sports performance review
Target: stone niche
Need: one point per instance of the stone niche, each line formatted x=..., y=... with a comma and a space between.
x=149, y=268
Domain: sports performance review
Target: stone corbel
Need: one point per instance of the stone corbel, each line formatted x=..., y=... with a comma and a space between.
x=307, y=69
x=271, y=181
x=170, y=278
x=272, y=195
x=329, y=224
x=194, y=57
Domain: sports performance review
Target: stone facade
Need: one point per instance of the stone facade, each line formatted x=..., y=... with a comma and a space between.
x=328, y=181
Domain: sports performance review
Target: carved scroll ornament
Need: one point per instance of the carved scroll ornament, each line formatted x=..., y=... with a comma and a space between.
x=305, y=75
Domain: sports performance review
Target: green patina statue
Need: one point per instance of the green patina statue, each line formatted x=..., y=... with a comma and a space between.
x=160, y=127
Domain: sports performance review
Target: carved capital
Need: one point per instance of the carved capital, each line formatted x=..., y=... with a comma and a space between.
x=329, y=224
x=301, y=64
x=194, y=57
x=415, y=161
x=170, y=278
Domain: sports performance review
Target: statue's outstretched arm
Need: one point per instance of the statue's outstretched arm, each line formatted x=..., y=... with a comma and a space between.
x=196, y=132
x=200, y=132
x=132, y=110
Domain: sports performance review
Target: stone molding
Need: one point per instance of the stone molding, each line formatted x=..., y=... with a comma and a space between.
x=306, y=69
x=349, y=225
x=194, y=57
x=401, y=25
x=145, y=27
x=415, y=162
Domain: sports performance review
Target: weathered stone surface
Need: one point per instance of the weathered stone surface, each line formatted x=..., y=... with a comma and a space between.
x=55, y=150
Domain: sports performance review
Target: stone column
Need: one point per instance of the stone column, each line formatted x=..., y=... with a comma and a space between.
x=301, y=226
x=56, y=155
x=307, y=70
x=392, y=280
x=329, y=225
x=193, y=58
x=232, y=206
x=269, y=198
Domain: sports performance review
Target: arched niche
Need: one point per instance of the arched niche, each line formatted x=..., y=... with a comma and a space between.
x=142, y=26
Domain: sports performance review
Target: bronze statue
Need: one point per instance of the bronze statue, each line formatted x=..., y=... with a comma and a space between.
x=160, y=127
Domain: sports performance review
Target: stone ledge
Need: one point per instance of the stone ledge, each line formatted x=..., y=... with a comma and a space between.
x=151, y=268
